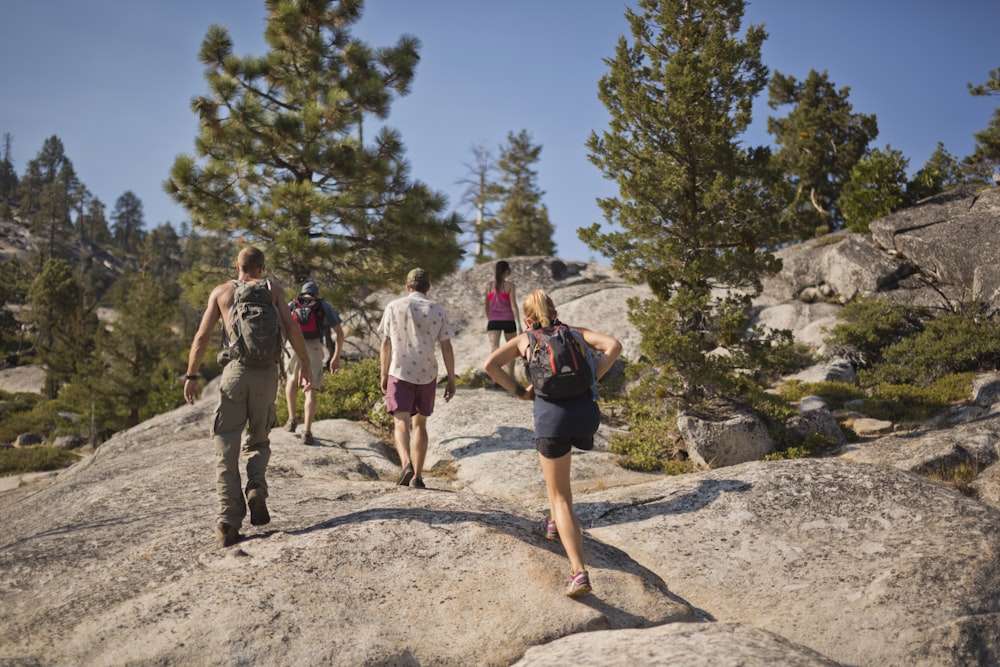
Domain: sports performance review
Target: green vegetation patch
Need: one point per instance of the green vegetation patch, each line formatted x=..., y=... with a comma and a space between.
x=17, y=461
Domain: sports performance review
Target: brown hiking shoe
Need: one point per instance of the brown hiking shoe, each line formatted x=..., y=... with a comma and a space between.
x=228, y=535
x=291, y=424
x=258, y=507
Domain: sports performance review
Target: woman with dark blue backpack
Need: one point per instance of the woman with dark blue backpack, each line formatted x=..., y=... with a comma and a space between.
x=562, y=373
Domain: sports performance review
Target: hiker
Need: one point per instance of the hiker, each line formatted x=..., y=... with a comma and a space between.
x=253, y=312
x=500, y=304
x=316, y=318
x=411, y=327
x=571, y=420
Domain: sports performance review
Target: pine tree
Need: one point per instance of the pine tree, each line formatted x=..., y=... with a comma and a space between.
x=127, y=222
x=693, y=212
x=985, y=158
x=480, y=192
x=47, y=195
x=8, y=178
x=139, y=341
x=64, y=321
x=820, y=140
x=282, y=159
x=941, y=172
x=522, y=219
x=876, y=187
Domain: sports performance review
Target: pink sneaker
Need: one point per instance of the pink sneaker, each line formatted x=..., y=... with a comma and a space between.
x=579, y=584
x=547, y=527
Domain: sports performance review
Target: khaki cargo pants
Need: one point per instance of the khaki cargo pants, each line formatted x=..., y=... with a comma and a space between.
x=246, y=402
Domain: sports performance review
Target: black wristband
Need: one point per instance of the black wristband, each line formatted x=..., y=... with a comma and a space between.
x=192, y=377
x=520, y=391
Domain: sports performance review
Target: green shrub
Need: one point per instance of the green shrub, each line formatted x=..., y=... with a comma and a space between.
x=17, y=461
x=910, y=403
x=834, y=394
x=354, y=392
x=28, y=413
x=813, y=444
x=870, y=326
x=954, y=343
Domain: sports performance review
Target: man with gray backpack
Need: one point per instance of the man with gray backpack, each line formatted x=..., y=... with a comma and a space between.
x=253, y=313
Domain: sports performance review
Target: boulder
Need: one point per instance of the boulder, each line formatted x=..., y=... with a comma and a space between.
x=688, y=644
x=718, y=442
x=864, y=564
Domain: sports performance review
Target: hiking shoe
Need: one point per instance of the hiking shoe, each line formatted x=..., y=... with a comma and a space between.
x=547, y=527
x=258, y=507
x=307, y=439
x=405, y=476
x=227, y=535
x=418, y=483
x=579, y=584
x=291, y=424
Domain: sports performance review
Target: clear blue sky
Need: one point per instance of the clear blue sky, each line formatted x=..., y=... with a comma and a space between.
x=113, y=80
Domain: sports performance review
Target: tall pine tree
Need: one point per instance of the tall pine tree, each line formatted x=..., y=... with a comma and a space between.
x=820, y=141
x=985, y=159
x=522, y=219
x=294, y=155
x=693, y=215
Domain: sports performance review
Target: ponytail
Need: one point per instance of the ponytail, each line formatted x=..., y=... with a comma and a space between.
x=502, y=268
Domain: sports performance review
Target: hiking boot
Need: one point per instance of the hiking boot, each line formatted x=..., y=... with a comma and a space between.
x=227, y=535
x=307, y=439
x=258, y=507
x=547, y=527
x=579, y=584
x=406, y=475
x=291, y=424
x=418, y=483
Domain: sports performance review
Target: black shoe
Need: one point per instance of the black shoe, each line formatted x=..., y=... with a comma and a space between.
x=406, y=475
x=307, y=439
x=259, y=515
x=418, y=483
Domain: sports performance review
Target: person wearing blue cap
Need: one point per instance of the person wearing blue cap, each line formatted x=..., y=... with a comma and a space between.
x=316, y=319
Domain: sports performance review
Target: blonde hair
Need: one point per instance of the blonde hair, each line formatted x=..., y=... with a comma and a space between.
x=538, y=308
x=250, y=258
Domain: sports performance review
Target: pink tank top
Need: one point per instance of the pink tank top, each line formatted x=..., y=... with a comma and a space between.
x=499, y=308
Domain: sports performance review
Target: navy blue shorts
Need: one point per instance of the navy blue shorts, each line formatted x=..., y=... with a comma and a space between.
x=554, y=448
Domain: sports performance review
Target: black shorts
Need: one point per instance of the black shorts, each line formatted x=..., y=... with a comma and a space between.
x=554, y=448
x=506, y=326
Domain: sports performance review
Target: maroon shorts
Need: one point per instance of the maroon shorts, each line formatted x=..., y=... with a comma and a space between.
x=403, y=396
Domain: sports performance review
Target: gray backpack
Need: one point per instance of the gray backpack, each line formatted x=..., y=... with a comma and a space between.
x=256, y=335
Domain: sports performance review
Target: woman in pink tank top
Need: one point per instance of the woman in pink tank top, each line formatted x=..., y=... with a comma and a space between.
x=501, y=309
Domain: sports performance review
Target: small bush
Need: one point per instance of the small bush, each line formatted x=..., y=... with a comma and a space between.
x=870, y=326
x=27, y=413
x=958, y=475
x=17, y=461
x=834, y=394
x=954, y=343
x=354, y=392
x=910, y=403
x=813, y=444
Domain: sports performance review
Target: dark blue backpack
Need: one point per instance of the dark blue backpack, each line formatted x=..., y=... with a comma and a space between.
x=558, y=362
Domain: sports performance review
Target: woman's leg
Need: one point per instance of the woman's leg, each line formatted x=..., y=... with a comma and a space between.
x=509, y=367
x=556, y=473
x=494, y=336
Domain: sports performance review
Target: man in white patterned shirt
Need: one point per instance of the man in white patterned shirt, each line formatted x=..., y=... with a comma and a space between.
x=411, y=328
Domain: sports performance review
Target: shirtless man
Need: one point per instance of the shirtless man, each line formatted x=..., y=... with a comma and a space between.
x=246, y=401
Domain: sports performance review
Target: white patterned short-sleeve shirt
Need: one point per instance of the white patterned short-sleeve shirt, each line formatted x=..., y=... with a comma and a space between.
x=415, y=325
